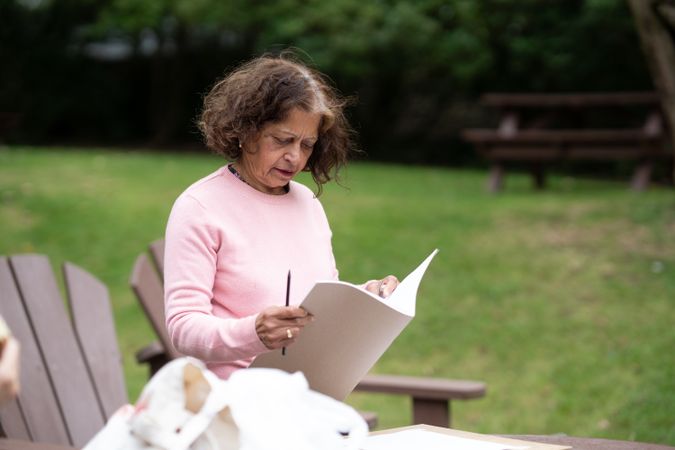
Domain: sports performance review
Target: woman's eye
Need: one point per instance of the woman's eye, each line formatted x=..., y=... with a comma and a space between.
x=281, y=141
x=308, y=145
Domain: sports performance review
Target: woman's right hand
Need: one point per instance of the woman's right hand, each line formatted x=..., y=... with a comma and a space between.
x=279, y=326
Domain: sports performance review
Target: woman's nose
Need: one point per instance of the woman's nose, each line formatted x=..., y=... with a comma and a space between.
x=293, y=152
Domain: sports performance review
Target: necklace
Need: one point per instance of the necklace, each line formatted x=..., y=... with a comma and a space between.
x=236, y=173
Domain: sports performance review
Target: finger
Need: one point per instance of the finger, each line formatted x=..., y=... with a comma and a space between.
x=300, y=321
x=266, y=342
x=290, y=312
x=283, y=337
x=272, y=324
x=274, y=332
x=387, y=286
x=373, y=286
x=275, y=316
x=291, y=336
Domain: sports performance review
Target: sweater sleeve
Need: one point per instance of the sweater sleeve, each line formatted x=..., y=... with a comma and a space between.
x=322, y=220
x=191, y=246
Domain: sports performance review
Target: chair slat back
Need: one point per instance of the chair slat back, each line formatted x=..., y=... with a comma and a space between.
x=53, y=333
x=95, y=330
x=157, y=252
x=149, y=289
x=35, y=415
x=13, y=420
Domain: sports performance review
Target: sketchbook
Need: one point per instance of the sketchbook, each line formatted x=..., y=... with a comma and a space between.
x=352, y=328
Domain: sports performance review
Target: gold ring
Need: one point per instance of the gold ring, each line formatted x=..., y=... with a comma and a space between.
x=289, y=333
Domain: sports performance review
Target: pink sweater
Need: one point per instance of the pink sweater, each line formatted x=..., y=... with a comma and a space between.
x=228, y=250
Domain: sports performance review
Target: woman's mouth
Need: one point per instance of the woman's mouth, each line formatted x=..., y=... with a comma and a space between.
x=286, y=173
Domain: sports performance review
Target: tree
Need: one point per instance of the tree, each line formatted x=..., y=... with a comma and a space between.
x=656, y=23
x=416, y=66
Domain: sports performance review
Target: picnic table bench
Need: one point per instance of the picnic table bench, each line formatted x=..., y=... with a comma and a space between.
x=540, y=129
x=9, y=120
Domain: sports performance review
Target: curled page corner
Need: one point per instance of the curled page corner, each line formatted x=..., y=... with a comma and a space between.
x=404, y=298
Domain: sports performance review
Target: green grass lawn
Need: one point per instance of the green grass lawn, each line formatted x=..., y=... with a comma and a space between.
x=563, y=301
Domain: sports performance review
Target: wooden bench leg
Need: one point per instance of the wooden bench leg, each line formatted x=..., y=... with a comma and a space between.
x=370, y=418
x=431, y=412
x=641, y=176
x=496, y=180
x=538, y=176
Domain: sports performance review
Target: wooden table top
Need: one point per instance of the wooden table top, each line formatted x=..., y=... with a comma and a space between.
x=578, y=443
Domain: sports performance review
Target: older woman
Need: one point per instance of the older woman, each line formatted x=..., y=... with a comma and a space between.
x=233, y=236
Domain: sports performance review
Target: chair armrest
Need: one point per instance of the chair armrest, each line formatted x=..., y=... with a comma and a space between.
x=370, y=418
x=430, y=396
x=422, y=387
x=154, y=355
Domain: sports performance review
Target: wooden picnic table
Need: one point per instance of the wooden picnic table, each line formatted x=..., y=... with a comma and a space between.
x=541, y=129
x=570, y=100
x=577, y=443
x=9, y=120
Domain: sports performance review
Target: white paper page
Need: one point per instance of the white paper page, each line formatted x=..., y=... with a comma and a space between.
x=403, y=298
x=428, y=440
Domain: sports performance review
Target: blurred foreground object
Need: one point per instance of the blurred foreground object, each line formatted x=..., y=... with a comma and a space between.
x=185, y=406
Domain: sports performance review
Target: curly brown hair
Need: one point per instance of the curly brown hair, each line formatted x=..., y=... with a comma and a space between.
x=263, y=91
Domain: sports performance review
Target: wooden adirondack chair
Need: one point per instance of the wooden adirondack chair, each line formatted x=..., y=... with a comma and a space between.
x=71, y=371
x=431, y=397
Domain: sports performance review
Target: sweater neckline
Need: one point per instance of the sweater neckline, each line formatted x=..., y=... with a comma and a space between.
x=249, y=191
x=236, y=173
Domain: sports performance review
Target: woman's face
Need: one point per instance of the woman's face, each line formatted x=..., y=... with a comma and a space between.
x=280, y=151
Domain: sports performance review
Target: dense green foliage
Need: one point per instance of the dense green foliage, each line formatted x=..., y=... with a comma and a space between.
x=415, y=66
x=562, y=301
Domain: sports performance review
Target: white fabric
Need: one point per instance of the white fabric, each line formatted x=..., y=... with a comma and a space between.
x=185, y=406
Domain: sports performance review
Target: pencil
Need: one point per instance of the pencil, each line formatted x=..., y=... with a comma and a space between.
x=288, y=291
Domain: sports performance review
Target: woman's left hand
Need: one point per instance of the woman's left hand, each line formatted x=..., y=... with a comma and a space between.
x=383, y=287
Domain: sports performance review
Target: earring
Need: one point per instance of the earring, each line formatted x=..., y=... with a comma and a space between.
x=239, y=144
